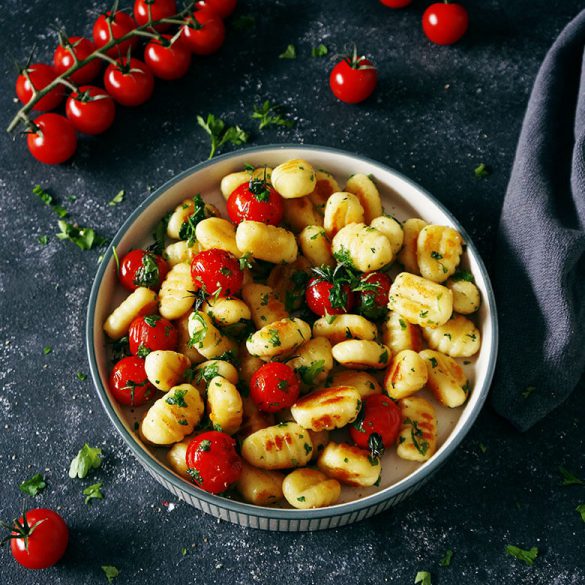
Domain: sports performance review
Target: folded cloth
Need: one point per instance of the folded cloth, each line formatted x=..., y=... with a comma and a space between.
x=540, y=262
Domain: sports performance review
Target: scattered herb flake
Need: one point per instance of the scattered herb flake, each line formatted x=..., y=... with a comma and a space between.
x=219, y=134
x=47, y=199
x=289, y=53
x=83, y=237
x=110, y=572
x=87, y=459
x=309, y=373
x=34, y=485
x=117, y=198
x=43, y=240
x=178, y=398
x=447, y=558
x=463, y=275
x=526, y=556
x=319, y=51
x=569, y=478
x=47, y=350
x=81, y=376
x=270, y=115
x=93, y=492
x=581, y=509
x=481, y=171
x=423, y=577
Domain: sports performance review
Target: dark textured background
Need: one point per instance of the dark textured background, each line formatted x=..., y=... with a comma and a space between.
x=437, y=113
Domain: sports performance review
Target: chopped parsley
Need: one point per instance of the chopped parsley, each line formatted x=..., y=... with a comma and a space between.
x=110, y=572
x=308, y=448
x=43, y=240
x=198, y=336
x=195, y=475
x=120, y=348
x=289, y=53
x=463, y=275
x=219, y=134
x=148, y=274
x=274, y=338
x=187, y=230
x=434, y=362
x=206, y=373
x=436, y=255
x=205, y=445
x=309, y=373
x=526, y=556
x=319, y=51
x=301, y=499
x=151, y=320
x=269, y=114
x=93, y=492
x=447, y=558
x=83, y=237
x=383, y=359
x=343, y=256
x=402, y=324
x=178, y=398
x=581, y=509
x=81, y=376
x=416, y=434
x=569, y=478
x=481, y=171
x=423, y=577
x=34, y=485
x=48, y=200
x=117, y=198
x=87, y=459
x=423, y=314
x=47, y=350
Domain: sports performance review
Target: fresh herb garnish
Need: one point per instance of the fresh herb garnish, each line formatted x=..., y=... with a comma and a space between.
x=436, y=255
x=463, y=275
x=34, y=485
x=219, y=134
x=270, y=115
x=117, y=198
x=416, y=434
x=207, y=373
x=43, y=240
x=47, y=350
x=205, y=445
x=48, y=200
x=301, y=499
x=120, y=348
x=481, y=171
x=581, y=509
x=195, y=475
x=81, y=376
x=343, y=256
x=309, y=373
x=83, y=237
x=110, y=572
x=423, y=577
x=447, y=558
x=87, y=459
x=178, y=398
x=93, y=492
x=289, y=53
x=383, y=359
x=526, y=556
x=198, y=336
x=274, y=338
x=376, y=446
x=569, y=478
x=148, y=274
x=319, y=51
x=187, y=231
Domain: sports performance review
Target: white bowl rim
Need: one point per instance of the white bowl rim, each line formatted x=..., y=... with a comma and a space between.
x=156, y=468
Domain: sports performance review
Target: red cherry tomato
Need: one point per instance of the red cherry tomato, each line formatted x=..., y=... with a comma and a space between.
x=396, y=3
x=353, y=79
x=128, y=382
x=168, y=61
x=255, y=201
x=121, y=24
x=274, y=386
x=445, y=23
x=212, y=461
x=130, y=83
x=159, y=9
x=222, y=8
x=53, y=139
x=204, y=32
x=151, y=333
x=379, y=416
x=38, y=76
x=90, y=109
x=326, y=297
x=373, y=300
x=63, y=58
x=38, y=539
x=142, y=268
x=217, y=272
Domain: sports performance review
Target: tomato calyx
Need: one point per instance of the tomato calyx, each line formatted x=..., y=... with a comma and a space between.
x=360, y=63
x=148, y=274
x=86, y=97
x=20, y=530
x=259, y=187
x=376, y=446
x=192, y=22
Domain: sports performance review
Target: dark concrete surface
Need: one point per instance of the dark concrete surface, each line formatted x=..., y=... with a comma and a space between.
x=437, y=113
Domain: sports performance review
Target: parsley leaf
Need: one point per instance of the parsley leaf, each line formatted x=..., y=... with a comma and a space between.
x=81, y=376
x=93, y=492
x=187, y=231
x=309, y=373
x=270, y=115
x=219, y=134
x=48, y=200
x=423, y=577
x=83, y=237
x=87, y=459
x=447, y=558
x=581, y=509
x=289, y=53
x=47, y=350
x=319, y=51
x=481, y=171
x=569, y=478
x=43, y=240
x=34, y=485
x=117, y=198
x=178, y=398
x=110, y=572
x=463, y=275
x=148, y=274
x=526, y=556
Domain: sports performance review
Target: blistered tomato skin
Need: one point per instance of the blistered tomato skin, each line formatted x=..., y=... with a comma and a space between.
x=380, y=415
x=140, y=268
x=151, y=333
x=217, y=272
x=212, y=462
x=128, y=382
x=255, y=201
x=274, y=386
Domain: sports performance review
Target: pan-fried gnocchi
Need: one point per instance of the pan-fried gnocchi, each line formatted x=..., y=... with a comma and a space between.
x=411, y=346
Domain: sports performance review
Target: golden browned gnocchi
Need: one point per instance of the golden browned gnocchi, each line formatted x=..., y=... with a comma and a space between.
x=216, y=232
x=363, y=382
x=206, y=371
x=260, y=486
x=254, y=420
x=309, y=488
x=417, y=440
x=224, y=405
x=294, y=178
x=447, y=380
x=406, y=375
x=299, y=213
x=232, y=315
x=265, y=306
x=361, y=354
x=316, y=246
x=207, y=338
x=438, y=252
x=165, y=369
x=392, y=229
x=175, y=297
x=366, y=191
x=459, y=337
x=399, y=334
x=362, y=247
x=176, y=457
x=141, y=302
x=313, y=361
x=466, y=298
x=266, y=242
x=184, y=212
x=279, y=339
x=338, y=328
x=181, y=252
x=325, y=186
x=349, y=465
x=183, y=339
x=289, y=281
x=341, y=209
x=408, y=254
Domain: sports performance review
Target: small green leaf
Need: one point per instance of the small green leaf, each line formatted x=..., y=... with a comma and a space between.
x=270, y=114
x=93, y=492
x=47, y=350
x=118, y=198
x=289, y=53
x=110, y=572
x=83, y=237
x=481, y=171
x=81, y=376
x=447, y=558
x=87, y=459
x=219, y=134
x=581, y=509
x=569, y=478
x=526, y=556
x=43, y=240
x=423, y=577
x=34, y=485
x=319, y=51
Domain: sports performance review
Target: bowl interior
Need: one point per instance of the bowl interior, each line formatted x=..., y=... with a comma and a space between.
x=401, y=197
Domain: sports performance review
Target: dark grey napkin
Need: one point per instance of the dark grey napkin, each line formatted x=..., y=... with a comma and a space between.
x=540, y=262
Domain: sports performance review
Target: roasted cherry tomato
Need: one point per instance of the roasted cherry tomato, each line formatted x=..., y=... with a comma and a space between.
x=142, y=268
x=396, y=3
x=121, y=24
x=128, y=382
x=329, y=293
x=52, y=140
x=445, y=23
x=204, y=32
x=90, y=109
x=353, y=79
x=222, y=8
x=159, y=9
x=80, y=48
x=39, y=538
x=130, y=83
x=212, y=461
x=217, y=272
x=255, y=200
x=38, y=76
x=274, y=386
x=165, y=60
x=373, y=299
x=377, y=425
x=151, y=333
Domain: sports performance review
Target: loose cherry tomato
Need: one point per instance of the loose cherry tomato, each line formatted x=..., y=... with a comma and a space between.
x=373, y=301
x=445, y=23
x=222, y=8
x=217, y=272
x=142, y=268
x=255, y=200
x=39, y=538
x=151, y=333
x=396, y=3
x=121, y=24
x=130, y=83
x=38, y=76
x=90, y=109
x=168, y=61
x=329, y=293
x=52, y=140
x=274, y=386
x=353, y=79
x=81, y=48
x=159, y=9
x=204, y=32
x=212, y=461
x=128, y=382
x=379, y=416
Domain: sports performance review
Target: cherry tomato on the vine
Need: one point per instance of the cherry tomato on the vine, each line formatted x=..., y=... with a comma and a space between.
x=39, y=538
x=329, y=293
x=159, y=9
x=204, y=32
x=90, y=109
x=274, y=386
x=38, y=76
x=373, y=299
x=165, y=60
x=80, y=48
x=52, y=139
x=353, y=79
x=379, y=416
x=121, y=24
x=129, y=383
x=396, y=3
x=130, y=83
x=445, y=23
x=217, y=272
x=212, y=461
x=142, y=268
x=151, y=333
x=255, y=200
x=222, y=8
